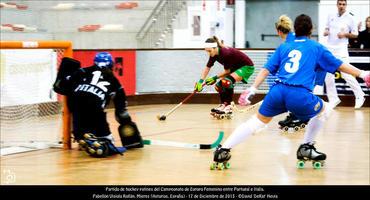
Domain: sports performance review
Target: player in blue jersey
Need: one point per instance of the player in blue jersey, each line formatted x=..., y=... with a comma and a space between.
x=284, y=27
x=295, y=63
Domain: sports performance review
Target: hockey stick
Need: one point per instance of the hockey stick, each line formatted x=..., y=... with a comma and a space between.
x=163, y=117
x=186, y=145
x=249, y=108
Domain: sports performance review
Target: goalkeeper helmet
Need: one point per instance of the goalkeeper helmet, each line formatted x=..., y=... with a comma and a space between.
x=103, y=59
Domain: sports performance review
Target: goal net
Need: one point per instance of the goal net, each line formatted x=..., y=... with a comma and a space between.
x=31, y=113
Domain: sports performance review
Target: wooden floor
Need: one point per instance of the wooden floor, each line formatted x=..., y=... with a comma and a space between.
x=267, y=157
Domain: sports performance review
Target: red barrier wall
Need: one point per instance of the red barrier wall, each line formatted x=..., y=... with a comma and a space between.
x=124, y=69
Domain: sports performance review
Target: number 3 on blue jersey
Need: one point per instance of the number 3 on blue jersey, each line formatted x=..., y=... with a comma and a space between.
x=293, y=64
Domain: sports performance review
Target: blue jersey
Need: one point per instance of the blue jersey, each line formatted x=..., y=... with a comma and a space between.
x=290, y=37
x=320, y=74
x=297, y=61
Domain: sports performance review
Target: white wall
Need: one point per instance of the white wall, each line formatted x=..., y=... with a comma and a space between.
x=240, y=23
x=261, y=16
x=211, y=13
x=63, y=24
x=170, y=71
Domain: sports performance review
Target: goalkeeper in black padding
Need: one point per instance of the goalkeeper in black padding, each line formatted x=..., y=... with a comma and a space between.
x=89, y=91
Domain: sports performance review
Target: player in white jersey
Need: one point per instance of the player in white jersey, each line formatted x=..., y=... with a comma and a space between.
x=339, y=28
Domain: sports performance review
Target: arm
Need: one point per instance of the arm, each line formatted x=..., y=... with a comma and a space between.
x=347, y=35
x=205, y=72
x=199, y=85
x=212, y=80
x=120, y=104
x=326, y=32
x=260, y=78
x=224, y=73
x=353, y=31
x=350, y=69
x=68, y=69
x=247, y=95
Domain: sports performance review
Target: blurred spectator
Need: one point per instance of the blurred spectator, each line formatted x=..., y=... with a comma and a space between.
x=364, y=36
x=353, y=42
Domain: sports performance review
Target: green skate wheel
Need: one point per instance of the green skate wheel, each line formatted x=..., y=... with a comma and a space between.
x=213, y=166
x=220, y=166
x=317, y=165
x=227, y=165
x=300, y=164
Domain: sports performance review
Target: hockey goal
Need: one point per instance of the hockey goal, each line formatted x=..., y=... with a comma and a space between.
x=32, y=115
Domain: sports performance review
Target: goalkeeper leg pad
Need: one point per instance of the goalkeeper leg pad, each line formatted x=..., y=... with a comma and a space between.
x=130, y=136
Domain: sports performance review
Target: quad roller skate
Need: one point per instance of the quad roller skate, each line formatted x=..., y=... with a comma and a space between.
x=221, y=158
x=214, y=111
x=307, y=152
x=93, y=146
x=293, y=122
x=225, y=113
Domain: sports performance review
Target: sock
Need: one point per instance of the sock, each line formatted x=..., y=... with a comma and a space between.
x=313, y=127
x=229, y=93
x=242, y=132
x=222, y=97
x=315, y=124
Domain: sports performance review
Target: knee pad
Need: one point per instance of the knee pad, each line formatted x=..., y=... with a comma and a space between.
x=228, y=82
x=224, y=84
x=130, y=135
x=218, y=86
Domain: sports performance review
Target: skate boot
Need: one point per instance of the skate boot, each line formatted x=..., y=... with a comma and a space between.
x=225, y=113
x=98, y=147
x=214, y=111
x=307, y=152
x=292, y=121
x=221, y=158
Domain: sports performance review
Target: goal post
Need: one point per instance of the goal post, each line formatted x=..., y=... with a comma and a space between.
x=61, y=49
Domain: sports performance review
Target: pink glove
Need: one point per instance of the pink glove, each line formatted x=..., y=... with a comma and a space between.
x=366, y=76
x=246, y=97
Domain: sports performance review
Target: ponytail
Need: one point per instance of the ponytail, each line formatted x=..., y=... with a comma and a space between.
x=214, y=39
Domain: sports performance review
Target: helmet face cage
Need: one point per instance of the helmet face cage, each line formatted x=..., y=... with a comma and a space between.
x=103, y=59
